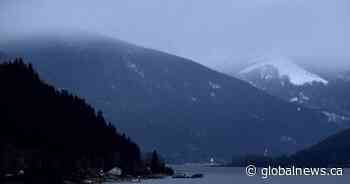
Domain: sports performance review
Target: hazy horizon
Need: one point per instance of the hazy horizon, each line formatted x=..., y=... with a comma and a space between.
x=216, y=34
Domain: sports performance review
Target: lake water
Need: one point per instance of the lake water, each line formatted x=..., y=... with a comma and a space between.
x=220, y=175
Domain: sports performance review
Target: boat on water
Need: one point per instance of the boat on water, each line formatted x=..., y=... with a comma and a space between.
x=180, y=175
x=187, y=176
x=198, y=175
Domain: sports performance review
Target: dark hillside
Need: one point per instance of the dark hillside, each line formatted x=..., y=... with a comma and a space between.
x=49, y=132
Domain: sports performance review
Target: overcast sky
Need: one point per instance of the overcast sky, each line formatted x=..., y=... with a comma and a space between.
x=210, y=32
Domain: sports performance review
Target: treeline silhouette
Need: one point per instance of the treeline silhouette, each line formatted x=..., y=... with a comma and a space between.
x=51, y=134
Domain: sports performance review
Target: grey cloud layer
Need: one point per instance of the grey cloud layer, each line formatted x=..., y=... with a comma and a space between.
x=211, y=32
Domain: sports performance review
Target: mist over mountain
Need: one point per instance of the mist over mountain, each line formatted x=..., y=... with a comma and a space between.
x=314, y=32
x=181, y=108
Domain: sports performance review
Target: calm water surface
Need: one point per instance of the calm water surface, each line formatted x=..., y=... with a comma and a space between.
x=221, y=175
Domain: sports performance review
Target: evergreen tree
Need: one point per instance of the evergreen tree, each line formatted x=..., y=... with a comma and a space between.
x=155, y=163
x=52, y=134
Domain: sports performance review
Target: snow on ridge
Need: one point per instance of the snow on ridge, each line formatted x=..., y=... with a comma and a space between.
x=285, y=68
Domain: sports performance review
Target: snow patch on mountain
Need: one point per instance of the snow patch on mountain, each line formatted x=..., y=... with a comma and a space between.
x=214, y=86
x=194, y=99
x=294, y=99
x=288, y=139
x=285, y=68
x=301, y=98
x=135, y=69
x=333, y=117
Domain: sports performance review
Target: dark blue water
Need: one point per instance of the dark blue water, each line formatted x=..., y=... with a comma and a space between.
x=219, y=175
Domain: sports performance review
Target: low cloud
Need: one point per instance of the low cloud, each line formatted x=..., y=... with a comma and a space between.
x=215, y=33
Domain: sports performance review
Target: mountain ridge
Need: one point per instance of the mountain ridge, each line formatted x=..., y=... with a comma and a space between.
x=324, y=92
x=285, y=68
x=152, y=95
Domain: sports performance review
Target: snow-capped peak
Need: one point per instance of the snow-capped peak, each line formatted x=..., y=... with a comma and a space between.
x=285, y=68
